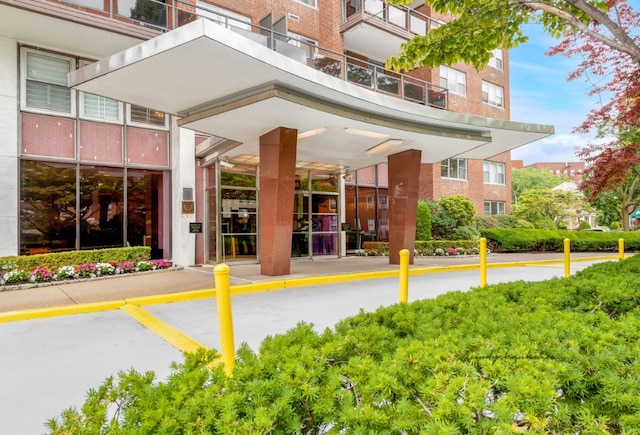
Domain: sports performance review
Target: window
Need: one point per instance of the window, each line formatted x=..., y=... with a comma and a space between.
x=453, y=80
x=45, y=82
x=493, y=173
x=496, y=60
x=492, y=94
x=454, y=168
x=97, y=107
x=311, y=3
x=147, y=117
x=494, y=207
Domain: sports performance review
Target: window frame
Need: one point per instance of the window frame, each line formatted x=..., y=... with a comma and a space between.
x=147, y=125
x=448, y=166
x=81, y=103
x=498, y=205
x=452, y=73
x=497, y=60
x=24, y=79
x=491, y=175
x=488, y=89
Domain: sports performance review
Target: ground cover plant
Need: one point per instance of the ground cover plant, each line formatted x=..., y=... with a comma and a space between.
x=555, y=357
x=42, y=268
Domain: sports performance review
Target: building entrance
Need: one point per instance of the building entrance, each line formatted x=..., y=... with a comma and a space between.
x=315, y=215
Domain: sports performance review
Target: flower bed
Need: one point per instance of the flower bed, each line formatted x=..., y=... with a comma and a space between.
x=12, y=275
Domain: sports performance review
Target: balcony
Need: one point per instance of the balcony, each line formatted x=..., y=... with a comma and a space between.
x=364, y=21
x=158, y=17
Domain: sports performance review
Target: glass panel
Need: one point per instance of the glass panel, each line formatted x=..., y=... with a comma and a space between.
x=383, y=174
x=101, y=207
x=367, y=175
x=373, y=7
x=149, y=11
x=397, y=16
x=383, y=215
x=324, y=182
x=387, y=83
x=212, y=224
x=300, y=239
x=238, y=179
x=145, y=209
x=325, y=244
x=350, y=218
x=238, y=223
x=328, y=65
x=302, y=180
x=417, y=25
x=414, y=92
x=236, y=247
x=359, y=75
x=47, y=207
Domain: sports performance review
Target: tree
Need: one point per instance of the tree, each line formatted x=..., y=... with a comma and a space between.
x=529, y=178
x=613, y=173
x=480, y=26
x=536, y=205
x=423, y=223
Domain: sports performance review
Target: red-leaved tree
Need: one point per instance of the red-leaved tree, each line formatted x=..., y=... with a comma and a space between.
x=615, y=76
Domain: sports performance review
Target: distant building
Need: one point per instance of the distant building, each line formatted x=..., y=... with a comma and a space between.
x=577, y=215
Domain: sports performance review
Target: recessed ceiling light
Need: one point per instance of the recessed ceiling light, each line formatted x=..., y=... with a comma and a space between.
x=365, y=133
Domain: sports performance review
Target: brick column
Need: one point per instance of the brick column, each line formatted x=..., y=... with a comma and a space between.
x=277, y=187
x=404, y=177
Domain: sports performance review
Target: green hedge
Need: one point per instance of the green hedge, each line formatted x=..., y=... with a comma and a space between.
x=553, y=357
x=73, y=258
x=513, y=240
x=423, y=247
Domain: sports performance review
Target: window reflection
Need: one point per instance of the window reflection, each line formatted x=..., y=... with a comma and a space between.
x=101, y=207
x=47, y=207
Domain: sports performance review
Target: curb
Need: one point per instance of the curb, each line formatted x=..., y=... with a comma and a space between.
x=40, y=313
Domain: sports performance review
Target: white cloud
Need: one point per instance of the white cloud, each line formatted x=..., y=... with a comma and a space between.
x=556, y=148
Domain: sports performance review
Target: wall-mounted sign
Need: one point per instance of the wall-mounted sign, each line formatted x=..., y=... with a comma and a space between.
x=195, y=227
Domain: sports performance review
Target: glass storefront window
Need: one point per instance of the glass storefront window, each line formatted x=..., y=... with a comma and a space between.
x=144, y=205
x=47, y=207
x=101, y=207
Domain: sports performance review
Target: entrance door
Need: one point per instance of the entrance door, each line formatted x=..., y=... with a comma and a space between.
x=238, y=215
x=315, y=215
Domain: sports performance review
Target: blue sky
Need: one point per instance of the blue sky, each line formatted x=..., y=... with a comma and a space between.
x=540, y=94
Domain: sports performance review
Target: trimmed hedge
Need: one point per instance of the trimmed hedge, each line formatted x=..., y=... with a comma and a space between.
x=72, y=258
x=555, y=357
x=513, y=240
x=423, y=247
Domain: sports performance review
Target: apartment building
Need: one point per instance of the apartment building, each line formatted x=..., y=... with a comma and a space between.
x=236, y=130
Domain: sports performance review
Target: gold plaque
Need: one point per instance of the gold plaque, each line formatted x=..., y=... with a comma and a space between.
x=188, y=207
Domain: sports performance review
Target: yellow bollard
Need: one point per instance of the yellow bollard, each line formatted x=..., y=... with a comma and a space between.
x=483, y=262
x=620, y=249
x=225, y=321
x=567, y=258
x=404, y=275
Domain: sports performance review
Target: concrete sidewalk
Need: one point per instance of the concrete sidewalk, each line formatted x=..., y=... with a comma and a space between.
x=171, y=281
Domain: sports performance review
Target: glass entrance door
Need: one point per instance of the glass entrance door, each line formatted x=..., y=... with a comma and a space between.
x=315, y=216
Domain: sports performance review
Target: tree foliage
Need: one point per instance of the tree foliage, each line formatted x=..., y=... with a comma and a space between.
x=538, y=205
x=530, y=178
x=553, y=357
x=423, y=222
x=479, y=26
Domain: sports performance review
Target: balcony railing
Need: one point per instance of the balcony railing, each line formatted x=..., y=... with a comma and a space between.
x=163, y=17
x=400, y=16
